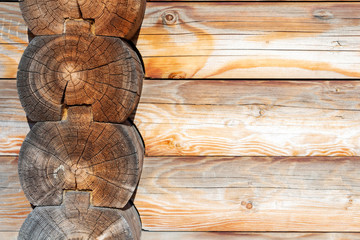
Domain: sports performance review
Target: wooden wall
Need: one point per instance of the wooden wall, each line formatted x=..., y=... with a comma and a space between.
x=249, y=113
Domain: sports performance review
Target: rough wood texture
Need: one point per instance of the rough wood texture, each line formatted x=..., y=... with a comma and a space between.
x=264, y=193
x=145, y=235
x=247, y=236
x=238, y=40
x=250, y=194
x=111, y=17
x=13, y=38
x=76, y=219
x=80, y=154
x=215, y=117
x=250, y=118
x=251, y=40
x=79, y=69
x=14, y=207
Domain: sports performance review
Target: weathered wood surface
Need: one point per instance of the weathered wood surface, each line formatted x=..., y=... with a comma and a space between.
x=230, y=194
x=79, y=154
x=250, y=194
x=229, y=118
x=14, y=207
x=78, y=69
x=146, y=235
x=233, y=40
x=246, y=236
x=111, y=17
x=76, y=218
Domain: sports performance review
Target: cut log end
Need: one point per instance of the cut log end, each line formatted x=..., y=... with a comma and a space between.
x=77, y=219
x=79, y=69
x=78, y=154
x=111, y=17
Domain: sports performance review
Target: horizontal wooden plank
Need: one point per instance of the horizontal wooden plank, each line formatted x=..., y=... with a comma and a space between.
x=251, y=40
x=146, y=235
x=229, y=194
x=9, y=235
x=250, y=194
x=246, y=236
x=230, y=40
x=228, y=118
x=14, y=207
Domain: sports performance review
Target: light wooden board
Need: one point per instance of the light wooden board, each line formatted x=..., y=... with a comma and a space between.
x=250, y=194
x=247, y=236
x=228, y=118
x=14, y=207
x=228, y=194
x=230, y=40
x=145, y=235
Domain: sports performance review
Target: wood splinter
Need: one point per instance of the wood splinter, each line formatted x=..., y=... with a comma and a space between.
x=79, y=68
x=77, y=219
x=79, y=154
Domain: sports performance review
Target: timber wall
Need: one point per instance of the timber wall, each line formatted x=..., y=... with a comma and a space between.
x=249, y=113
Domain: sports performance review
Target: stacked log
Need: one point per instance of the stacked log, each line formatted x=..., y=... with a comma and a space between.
x=80, y=80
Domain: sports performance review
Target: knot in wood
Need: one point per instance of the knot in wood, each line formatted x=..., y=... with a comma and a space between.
x=323, y=14
x=170, y=17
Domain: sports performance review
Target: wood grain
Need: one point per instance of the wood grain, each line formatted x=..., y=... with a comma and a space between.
x=76, y=218
x=110, y=18
x=246, y=236
x=146, y=235
x=250, y=194
x=79, y=154
x=14, y=206
x=235, y=194
x=240, y=40
x=79, y=68
x=251, y=40
x=230, y=118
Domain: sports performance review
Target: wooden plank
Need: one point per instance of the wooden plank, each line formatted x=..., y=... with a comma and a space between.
x=229, y=194
x=13, y=38
x=250, y=194
x=146, y=235
x=230, y=40
x=14, y=207
x=251, y=40
x=246, y=236
x=228, y=118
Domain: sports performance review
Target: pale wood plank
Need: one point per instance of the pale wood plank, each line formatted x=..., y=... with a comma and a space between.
x=251, y=40
x=231, y=40
x=246, y=235
x=9, y=235
x=250, y=194
x=229, y=118
x=234, y=194
x=146, y=235
x=14, y=207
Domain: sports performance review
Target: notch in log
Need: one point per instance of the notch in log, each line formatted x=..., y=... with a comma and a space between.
x=77, y=219
x=111, y=17
x=79, y=154
x=71, y=69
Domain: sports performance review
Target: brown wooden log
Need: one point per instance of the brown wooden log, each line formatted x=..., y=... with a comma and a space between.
x=111, y=17
x=79, y=154
x=77, y=219
x=79, y=69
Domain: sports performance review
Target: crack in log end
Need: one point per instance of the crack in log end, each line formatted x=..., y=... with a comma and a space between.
x=79, y=26
x=112, y=17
